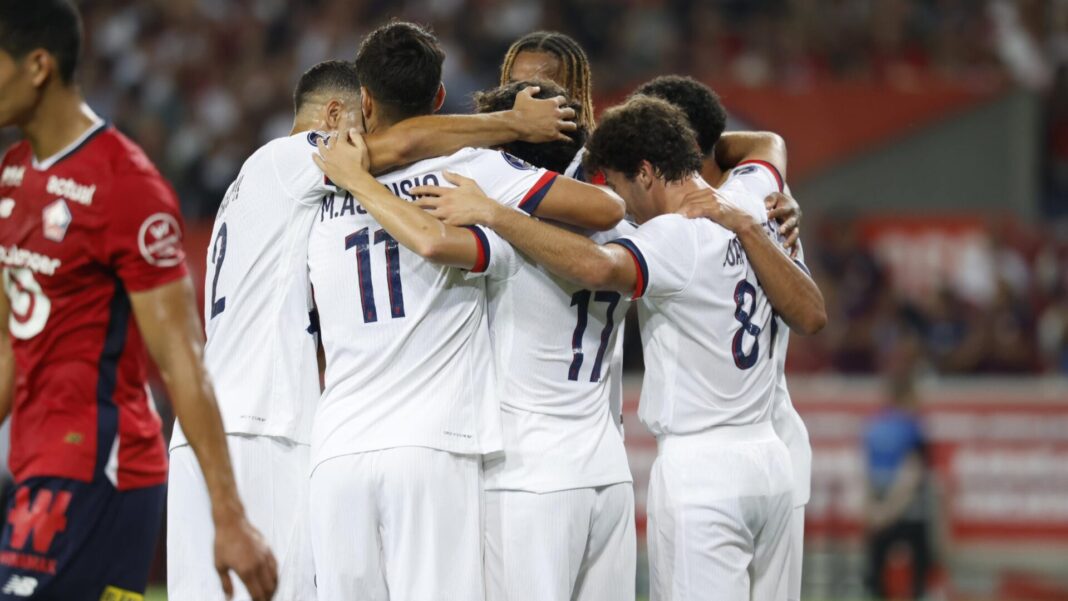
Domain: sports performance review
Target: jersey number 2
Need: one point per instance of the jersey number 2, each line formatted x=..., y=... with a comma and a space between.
x=218, y=254
x=361, y=241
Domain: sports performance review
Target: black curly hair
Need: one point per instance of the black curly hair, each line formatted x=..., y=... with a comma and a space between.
x=707, y=116
x=644, y=128
x=555, y=156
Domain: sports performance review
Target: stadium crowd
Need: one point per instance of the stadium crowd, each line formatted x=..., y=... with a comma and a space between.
x=200, y=84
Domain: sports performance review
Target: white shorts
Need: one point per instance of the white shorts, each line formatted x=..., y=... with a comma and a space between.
x=271, y=475
x=571, y=545
x=719, y=516
x=797, y=552
x=401, y=524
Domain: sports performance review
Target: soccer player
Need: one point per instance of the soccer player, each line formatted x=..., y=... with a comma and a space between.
x=94, y=273
x=559, y=503
x=409, y=406
x=708, y=118
x=257, y=296
x=721, y=488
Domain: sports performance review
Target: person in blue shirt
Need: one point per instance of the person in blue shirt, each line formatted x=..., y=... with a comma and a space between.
x=897, y=508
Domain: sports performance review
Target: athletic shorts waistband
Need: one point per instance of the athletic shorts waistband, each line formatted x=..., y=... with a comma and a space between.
x=718, y=435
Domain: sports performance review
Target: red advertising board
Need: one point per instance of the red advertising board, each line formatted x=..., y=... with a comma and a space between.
x=999, y=456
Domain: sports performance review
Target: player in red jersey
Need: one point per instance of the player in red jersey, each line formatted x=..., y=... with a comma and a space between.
x=94, y=274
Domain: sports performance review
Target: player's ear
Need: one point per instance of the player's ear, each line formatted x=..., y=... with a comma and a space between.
x=40, y=64
x=439, y=98
x=367, y=104
x=334, y=112
x=646, y=175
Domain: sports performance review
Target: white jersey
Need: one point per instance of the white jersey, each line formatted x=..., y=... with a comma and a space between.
x=789, y=426
x=705, y=321
x=555, y=348
x=408, y=358
x=261, y=343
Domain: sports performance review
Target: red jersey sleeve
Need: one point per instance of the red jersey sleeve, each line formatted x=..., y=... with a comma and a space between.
x=144, y=232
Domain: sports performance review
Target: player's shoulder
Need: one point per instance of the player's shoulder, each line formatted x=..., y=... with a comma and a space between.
x=488, y=158
x=666, y=224
x=125, y=156
x=18, y=153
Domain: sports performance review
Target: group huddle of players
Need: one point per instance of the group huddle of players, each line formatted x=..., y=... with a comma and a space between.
x=413, y=333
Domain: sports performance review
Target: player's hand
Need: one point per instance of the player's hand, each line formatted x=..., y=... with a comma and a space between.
x=241, y=548
x=466, y=204
x=709, y=204
x=344, y=159
x=542, y=120
x=784, y=209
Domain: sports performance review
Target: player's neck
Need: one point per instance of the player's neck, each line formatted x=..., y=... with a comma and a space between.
x=675, y=192
x=61, y=118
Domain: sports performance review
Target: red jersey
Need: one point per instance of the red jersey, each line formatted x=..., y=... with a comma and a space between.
x=78, y=233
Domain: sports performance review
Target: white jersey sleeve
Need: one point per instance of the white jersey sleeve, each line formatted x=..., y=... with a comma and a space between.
x=664, y=253
x=497, y=259
x=507, y=179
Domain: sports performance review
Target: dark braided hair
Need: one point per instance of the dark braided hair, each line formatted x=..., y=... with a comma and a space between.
x=576, y=77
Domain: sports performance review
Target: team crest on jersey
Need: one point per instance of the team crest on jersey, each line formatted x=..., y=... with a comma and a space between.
x=517, y=162
x=315, y=136
x=160, y=240
x=56, y=218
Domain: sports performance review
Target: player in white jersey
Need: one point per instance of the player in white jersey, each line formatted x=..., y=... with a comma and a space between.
x=721, y=488
x=409, y=411
x=708, y=118
x=261, y=349
x=559, y=502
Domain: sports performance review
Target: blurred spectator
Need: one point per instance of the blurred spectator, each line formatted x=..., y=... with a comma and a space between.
x=898, y=507
x=201, y=83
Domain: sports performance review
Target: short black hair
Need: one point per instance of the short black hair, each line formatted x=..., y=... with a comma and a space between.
x=555, y=156
x=327, y=76
x=54, y=25
x=644, y=129
x=702, y=106
x=400, y=65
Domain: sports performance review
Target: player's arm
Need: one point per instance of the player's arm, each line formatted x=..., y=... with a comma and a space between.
x=345, y=160
x=792, y=293
x=167, y=319
x=571, y=256
x=767, y=147
x=7, y=360
x=530, y=120
x=734, y=148
x=580, y=204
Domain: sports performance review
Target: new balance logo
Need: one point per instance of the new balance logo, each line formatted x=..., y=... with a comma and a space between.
x=44, y=519
x=20, y=586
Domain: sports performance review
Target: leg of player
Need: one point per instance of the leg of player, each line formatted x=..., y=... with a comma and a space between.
x=265, y=469
x=609, y=565
x=52, y=547
x=706, y=526
x=535, y=543
x=345, y=539
x=797, y=551
x=431, y=524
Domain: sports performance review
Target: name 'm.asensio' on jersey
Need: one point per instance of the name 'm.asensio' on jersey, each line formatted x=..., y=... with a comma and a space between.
x=408, y=359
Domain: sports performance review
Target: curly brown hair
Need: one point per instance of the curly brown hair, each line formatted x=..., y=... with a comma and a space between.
x=644, y=128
